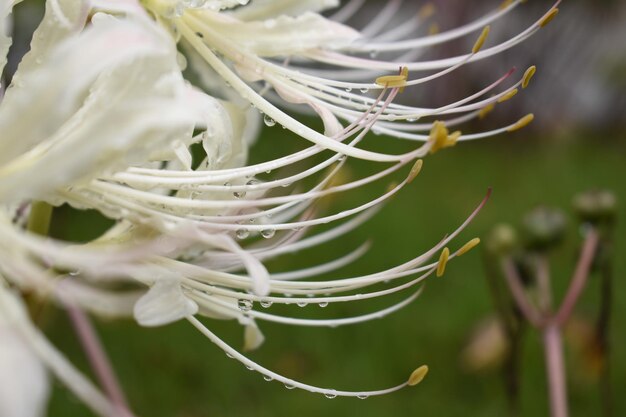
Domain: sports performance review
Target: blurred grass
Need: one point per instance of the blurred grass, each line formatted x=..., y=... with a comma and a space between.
x=175, y=372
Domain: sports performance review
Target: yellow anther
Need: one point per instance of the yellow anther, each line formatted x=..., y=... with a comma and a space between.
x=508, y=96
x=468, y=246
x=415, y=170
x=524, y=121
x=426, y=11
x=481, y=39
x=486, y=110
x=443, y=260
x=394, y=81
x=452, y=139
x=433, y=29
x=548, y=17
x=528, y=75
x=417, y=375
x=391, y=186
x=438, y=136
x=505, y=4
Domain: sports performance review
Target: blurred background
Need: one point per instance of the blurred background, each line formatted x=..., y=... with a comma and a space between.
x=577, y=143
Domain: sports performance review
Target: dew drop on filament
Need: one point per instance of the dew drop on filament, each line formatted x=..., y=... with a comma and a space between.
x=269, y=121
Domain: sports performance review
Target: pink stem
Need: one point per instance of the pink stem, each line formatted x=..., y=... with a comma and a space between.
x=555, y=368
x=577, y=284
x=519, y=294
x=97, y=358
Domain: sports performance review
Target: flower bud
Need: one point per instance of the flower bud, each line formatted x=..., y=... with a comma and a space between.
x=544, y=228
x=595, y=206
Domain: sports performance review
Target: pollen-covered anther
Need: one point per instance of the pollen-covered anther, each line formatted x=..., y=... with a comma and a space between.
x=440, y=138
x=415, y=170
x=548, y=17
x=523, y=122
x=426, y=11
x=394, y=81
x=505, y=4
x=508, y=95
x=528, y=75
x=443, y=260
x=481, y=39
x=391, y=186
x=468, y=246
x=486, y=110
x=417, y=375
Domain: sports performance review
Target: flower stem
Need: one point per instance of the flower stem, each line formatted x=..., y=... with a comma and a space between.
x=555, y=368
x=39, y=219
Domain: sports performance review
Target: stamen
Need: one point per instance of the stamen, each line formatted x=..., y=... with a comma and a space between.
x=548, y=17
x=505, y=4
x=481, y=39
x=290, y=383
x=418, y=375
x=426, y=11
x=528, y=75
x=439, y=137
x=508, y=96
x=523, y=122
x=443, y=260
x=415, y=170
x=486, y=110
x=394, y=81
x=468, y=246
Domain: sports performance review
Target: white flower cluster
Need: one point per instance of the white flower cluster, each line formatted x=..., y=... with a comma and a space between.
x=99, y=116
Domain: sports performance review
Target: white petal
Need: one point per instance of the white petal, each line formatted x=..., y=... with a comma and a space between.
x=267, y=9
x=24, y=384
x=103, y=100
x=252, y=337
x=5, y=27
x=163, y=303
x=285, y=35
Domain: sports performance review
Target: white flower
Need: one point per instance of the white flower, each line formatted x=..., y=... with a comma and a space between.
x=100, y=117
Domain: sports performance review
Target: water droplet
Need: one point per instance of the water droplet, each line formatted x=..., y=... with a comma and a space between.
x=229, y=355
x=289, y=386
x=245, y=305
x=331, y=394
x=249, y=368
x=74, y=273
x=323, y=304
x=242, y=233
x=269, y=121
x=364, y=90
x=266, y=304
x=362, y=396
x=239, y=194
x=268, y=378
x=268, y=233
x=302, y=303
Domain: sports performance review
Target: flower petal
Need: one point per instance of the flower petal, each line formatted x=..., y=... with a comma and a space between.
x=163, y=303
